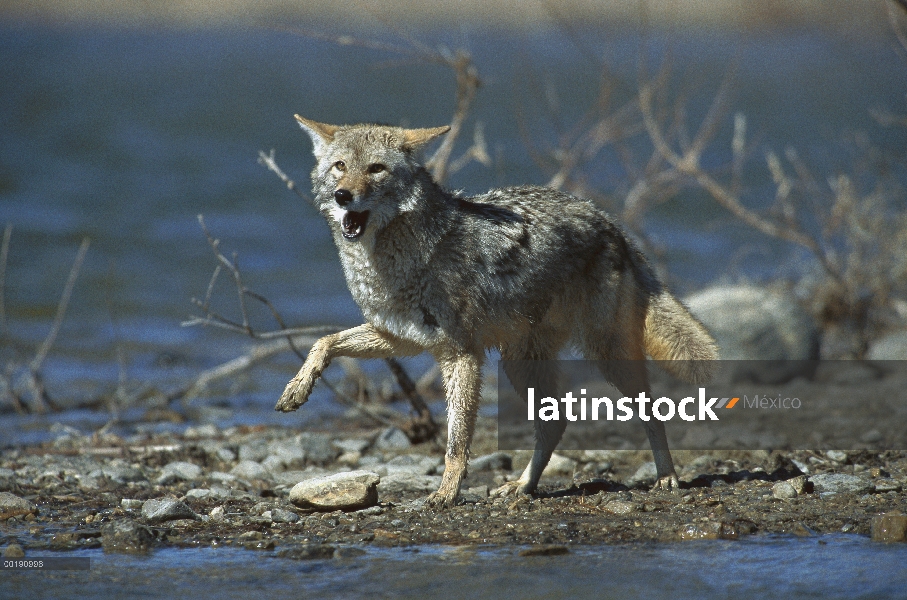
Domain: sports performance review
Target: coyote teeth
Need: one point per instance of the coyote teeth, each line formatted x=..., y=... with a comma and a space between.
x=353, y=224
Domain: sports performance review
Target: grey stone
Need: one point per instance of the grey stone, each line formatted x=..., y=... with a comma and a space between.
x=7, y=480
x=166, y=509
x=620, y=507
x=342, y=491
x=352, y=445
x=872, y=436
x=560, y=465
x=397, y=483
x=179, y=471
x=294, y=477
x=492, y=462
x=317, y=447
x=126, y=536
x=415, y=464
x=13, y=551
x=392, y=438
x=208, y=430
x=840, y=483
x=837, y=455
x=14, y=506
x=249, y=469
x=131, y=503
x=121, y=472
x=281, y=515
x=783, y=491
x=226, y=454
x=256, y=450
x=274, y=464
x=890, y=347
x=291, y=452
x=755, y=323
x=645, y=475
x=223, y=477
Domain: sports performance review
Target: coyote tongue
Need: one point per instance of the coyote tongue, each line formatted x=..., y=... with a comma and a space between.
x=352, y=225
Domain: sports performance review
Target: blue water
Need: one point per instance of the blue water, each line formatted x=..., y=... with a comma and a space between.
x=826, y=567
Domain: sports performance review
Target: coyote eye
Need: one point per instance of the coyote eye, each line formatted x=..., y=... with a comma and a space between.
x=376, y=168
x=340, y=166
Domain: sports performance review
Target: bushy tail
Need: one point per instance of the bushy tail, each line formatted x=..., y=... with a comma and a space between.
x=682, y=344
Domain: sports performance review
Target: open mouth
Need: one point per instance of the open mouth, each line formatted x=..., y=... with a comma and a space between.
x=352, y=225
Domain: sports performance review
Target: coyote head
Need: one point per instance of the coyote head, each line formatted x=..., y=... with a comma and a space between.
x=366, y=174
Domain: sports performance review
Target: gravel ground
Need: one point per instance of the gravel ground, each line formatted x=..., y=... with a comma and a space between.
x=211, y=487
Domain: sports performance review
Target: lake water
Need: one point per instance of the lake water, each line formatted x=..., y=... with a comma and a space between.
x=826, y=567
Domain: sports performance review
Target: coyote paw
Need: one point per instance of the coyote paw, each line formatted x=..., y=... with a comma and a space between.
x=295, y=395
x=439, y=499
x=668, y=483
x=511, y=488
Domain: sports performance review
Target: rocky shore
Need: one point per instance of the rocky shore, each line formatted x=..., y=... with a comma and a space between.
x=330, y=494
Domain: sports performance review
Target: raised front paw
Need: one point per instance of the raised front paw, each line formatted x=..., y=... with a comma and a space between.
x=668, y=483
x=296, y=394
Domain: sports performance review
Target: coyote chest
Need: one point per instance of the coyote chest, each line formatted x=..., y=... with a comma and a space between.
x=390, y=298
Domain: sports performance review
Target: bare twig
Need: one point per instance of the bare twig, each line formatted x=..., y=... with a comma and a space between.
x=4, y=256
x=41, y=354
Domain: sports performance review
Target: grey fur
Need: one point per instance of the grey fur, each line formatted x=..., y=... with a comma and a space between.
x=527, y=270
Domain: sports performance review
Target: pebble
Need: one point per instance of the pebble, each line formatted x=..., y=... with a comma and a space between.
x=256, y=451
x=120, y=472
x=13, y=551
x=280, y=515
x=179, y=471
x=783, y=491
x=317, y=447
x=621, y=507
x=7, y=480
x=492, y=462
x=126, y=536
x=559, y=465
x=890, y=527
x=131, y=503
x=291, y=452
x=837, y=455
x=14, y=506
x=351, y=445
x=840, y=483
x=645, y=475
x=392, y=438
x=414, y=464
x=166, y=509
x=397, y=483
x=342, y=491
x=249, y=469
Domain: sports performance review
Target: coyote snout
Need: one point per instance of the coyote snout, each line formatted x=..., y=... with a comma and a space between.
x=438, y=272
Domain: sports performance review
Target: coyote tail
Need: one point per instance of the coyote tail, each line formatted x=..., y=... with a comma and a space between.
x=674, y=337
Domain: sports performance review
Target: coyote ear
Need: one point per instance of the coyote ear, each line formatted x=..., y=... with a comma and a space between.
x=321, y=134
x=415, y=138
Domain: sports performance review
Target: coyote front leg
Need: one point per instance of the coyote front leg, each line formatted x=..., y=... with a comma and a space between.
x=359, y=342
x=462, y=381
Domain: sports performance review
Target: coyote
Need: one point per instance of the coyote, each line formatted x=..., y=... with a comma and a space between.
x=524, y=270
